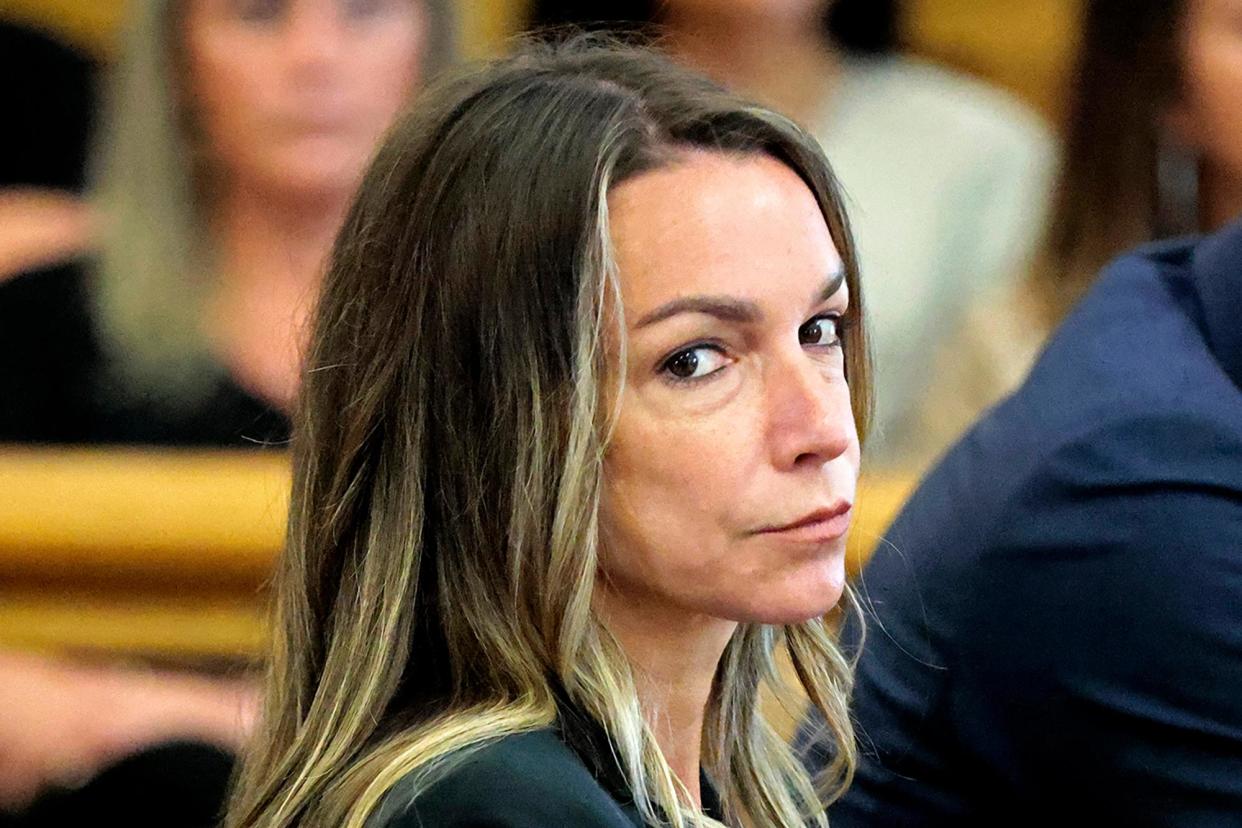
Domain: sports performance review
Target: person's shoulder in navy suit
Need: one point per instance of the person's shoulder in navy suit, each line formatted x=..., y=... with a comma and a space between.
x=1055, y=626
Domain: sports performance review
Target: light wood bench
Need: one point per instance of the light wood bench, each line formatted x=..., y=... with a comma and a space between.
x=165, y=554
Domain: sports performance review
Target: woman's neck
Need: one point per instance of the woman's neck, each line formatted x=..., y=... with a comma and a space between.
x=675, y=656
x=268, y=238
x=787, y=65
x=271, y=256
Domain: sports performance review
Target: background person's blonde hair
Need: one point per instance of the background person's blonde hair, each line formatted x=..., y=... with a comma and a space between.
x=150, y=184
x=435, y=592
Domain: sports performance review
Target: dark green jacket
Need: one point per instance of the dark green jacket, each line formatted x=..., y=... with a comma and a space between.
x=549, y=778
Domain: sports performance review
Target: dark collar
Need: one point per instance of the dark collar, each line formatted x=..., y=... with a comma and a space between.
x=587, y=738
x=1217, y=268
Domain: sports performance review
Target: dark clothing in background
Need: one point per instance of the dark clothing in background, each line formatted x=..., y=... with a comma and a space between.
x=1055, y=628
x=47, y=104
x=174, y=785
x=556, y=776
x=55, y=386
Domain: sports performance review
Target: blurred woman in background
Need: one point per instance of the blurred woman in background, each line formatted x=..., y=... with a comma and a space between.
x=1152, y=148
x=232, y=139
x=1153, y=142
x=947, y=177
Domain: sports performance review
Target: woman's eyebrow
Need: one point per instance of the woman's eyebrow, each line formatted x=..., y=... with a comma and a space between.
x=729, y=308
x=835, y=279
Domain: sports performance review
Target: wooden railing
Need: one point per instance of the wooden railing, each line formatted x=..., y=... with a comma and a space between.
x=153, y=553
x=165, y=554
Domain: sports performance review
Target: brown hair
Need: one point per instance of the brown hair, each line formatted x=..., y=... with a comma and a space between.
x=441, y=556
x=1109, y=195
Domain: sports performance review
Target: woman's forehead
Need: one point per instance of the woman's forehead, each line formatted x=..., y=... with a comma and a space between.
x=741, y=225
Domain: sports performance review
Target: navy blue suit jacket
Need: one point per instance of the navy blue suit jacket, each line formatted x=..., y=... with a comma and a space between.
x=1055, y=629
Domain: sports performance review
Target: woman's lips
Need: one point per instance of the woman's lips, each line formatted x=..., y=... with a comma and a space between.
x=819, y=526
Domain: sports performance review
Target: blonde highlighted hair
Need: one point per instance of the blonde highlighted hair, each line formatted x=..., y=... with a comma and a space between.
x=435, y=591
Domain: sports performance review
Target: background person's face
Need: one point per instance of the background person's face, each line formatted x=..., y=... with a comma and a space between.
x=1211, y=109
x=293, y=95
x=735, y=419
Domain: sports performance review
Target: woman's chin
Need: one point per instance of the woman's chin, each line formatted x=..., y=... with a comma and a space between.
x=802, y=597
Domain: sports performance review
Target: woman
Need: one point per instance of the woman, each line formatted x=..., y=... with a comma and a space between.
x=574, y=459
x=233, y=137
x=948, y=177
x=1154, y=136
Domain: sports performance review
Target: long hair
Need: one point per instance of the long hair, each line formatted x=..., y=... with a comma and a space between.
x=1109, y=195
x=436, y=588
x=156, y=260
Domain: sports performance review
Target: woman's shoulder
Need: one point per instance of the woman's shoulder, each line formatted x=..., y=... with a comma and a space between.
x=525, y=779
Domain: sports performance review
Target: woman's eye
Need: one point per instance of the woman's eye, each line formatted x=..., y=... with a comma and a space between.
x=694, y=363
x=362, y=9
x=824, y=331
x=259, y=11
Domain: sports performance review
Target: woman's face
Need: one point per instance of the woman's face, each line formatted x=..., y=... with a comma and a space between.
x=730, y=475
x=292, y=96
x=1211, y=110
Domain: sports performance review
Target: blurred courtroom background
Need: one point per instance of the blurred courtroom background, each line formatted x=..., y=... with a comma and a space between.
x=1025, y=47
x=153, y=559
x=160, y=554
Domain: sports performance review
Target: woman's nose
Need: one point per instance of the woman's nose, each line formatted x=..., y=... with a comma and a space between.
x=809, y=415
x=313, y=33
